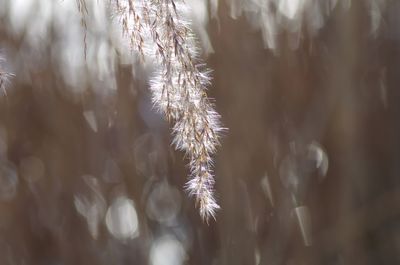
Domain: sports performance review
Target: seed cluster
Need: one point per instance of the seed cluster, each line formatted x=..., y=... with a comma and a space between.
x=158, y=29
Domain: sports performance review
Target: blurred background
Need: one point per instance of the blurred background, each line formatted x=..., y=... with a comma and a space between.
x=307, y=172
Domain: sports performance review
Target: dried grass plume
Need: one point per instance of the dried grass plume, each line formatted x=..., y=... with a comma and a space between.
x=159, y=30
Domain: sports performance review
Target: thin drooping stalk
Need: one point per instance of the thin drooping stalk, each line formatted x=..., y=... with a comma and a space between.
x=158, y=29
x=82, y=7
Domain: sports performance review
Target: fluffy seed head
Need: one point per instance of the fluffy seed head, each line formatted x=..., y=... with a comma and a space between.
x=160, y=30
